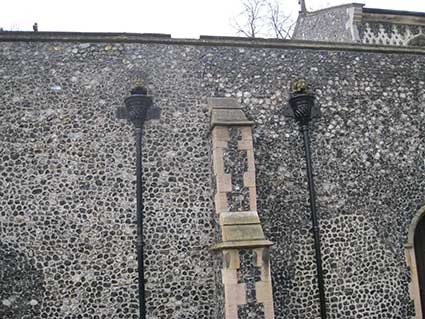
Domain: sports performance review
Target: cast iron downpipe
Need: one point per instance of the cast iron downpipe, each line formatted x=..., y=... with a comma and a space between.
x=302, y=105
x=138, y=110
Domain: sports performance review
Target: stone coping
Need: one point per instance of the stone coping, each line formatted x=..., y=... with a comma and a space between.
x=232, y=123
x=337, y=7
x=238, y=244
x=367, y=10
x=394, y=17
x=24, y=36
x=394, y=12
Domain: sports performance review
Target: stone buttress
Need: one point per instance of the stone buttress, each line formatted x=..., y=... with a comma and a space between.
x=242, y=249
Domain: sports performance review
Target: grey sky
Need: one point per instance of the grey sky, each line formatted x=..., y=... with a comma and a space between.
x=181, y=18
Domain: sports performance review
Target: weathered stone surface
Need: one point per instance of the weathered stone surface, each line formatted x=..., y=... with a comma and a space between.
x=67, y=174
x=227, y=111
x=21, y=284
x=67, y=178
x=335, y=24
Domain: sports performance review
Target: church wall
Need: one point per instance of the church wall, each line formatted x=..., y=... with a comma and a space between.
x=67, y=182
x=331, y=24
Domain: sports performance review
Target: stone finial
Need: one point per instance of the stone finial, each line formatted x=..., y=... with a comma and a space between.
x=303, y=7
x=299, y=86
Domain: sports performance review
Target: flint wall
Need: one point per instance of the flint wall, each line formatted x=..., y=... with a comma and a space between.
x=67, y=183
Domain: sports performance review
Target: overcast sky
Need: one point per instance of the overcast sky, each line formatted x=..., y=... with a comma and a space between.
x=180, y=18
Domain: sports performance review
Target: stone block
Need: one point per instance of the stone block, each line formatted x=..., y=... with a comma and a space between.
x=268, y=310
x=223, y=103
x=246, y=133
x=224, y=183
x=249, y=179
x=229, y=117
x=235, y=294
x=220, y=133
x=252, y=199
x=239, y=218
x=231, y=312
x=218, y=162
x=263, y=291
x=220, y=200
x=229, y=276
x=231, y=259
x=245, y=145
x=251, y=160
x=219, y=144
x=242, y=232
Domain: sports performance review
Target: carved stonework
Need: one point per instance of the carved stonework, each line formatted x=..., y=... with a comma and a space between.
x=417, y=41
x=245, y=274
x=384, y=33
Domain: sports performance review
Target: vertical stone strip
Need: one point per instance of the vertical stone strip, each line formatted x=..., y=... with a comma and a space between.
x=264, y=287
x=246, y=281
x=249, y=176
x=234, y=292
x=414, y=289
x=220, y=137
x=355, y=14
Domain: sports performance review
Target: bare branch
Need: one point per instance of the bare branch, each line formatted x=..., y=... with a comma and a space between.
x=263, y=18
x=280, y=24
x=251, y=17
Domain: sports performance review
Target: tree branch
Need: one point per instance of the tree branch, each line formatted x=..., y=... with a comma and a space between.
x=263, y=18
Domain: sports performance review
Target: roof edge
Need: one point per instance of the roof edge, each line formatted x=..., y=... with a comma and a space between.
x=340, y=6
x=80, y=37
x=394, y=12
